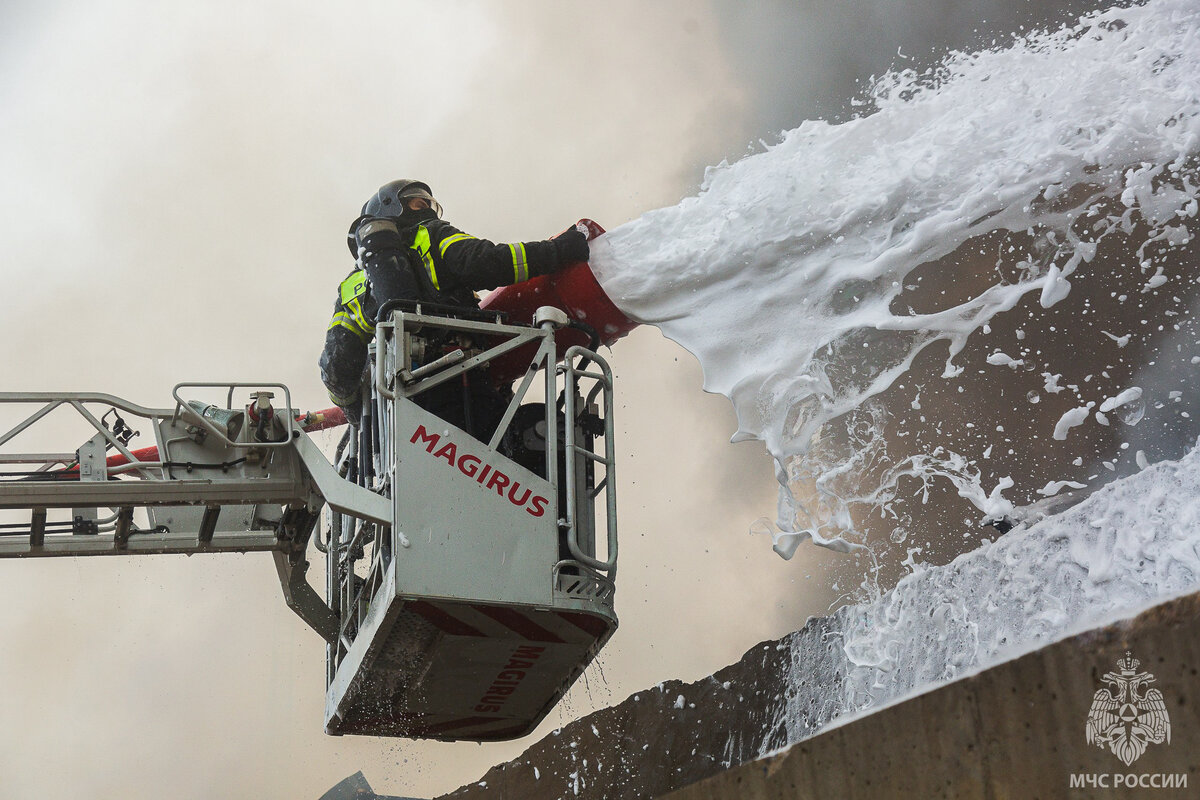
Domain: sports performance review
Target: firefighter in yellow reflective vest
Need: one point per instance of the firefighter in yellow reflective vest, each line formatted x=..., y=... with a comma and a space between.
x=405, y=251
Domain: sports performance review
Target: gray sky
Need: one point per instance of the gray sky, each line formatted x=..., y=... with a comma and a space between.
x=178, y=181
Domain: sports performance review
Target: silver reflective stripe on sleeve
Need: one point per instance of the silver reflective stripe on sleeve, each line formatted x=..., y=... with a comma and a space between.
x=449, y=240
x=520, y=265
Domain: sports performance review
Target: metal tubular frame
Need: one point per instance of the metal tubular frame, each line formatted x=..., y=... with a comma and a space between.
x=395, y=375
x=604, y=382
x=150, y=486
x=182, y=405
x=348, y=594
x=285, y=481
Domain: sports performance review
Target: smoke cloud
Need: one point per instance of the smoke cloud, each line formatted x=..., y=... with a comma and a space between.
x=178, y=181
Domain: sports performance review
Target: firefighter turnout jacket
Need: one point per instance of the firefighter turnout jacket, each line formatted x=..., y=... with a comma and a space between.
x=420, y=257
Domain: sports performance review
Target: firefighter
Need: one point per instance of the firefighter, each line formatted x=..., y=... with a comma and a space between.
x=406, y=251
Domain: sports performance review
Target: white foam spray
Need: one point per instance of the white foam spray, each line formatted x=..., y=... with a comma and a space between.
x=1130, y=544
x=795, y=275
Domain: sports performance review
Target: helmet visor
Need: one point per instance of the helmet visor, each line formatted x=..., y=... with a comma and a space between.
x=419, y=191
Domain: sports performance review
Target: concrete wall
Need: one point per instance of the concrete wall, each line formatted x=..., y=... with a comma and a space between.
x=1016, y=730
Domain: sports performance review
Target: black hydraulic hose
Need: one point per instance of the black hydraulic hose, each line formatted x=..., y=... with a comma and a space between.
x=50, y=527
x=189, y=466
x=366, y=468
x=391, y=305
x=334, y=516
x=593, y=336
x=593, y=345
x=343, y=443
x=35, y=475
x=468, y=423
x=352, y=464
x=376, y=430
x=438, y=310
x=65, y=526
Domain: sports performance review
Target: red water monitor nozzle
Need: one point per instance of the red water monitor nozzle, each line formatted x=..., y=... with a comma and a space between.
x=574, y=290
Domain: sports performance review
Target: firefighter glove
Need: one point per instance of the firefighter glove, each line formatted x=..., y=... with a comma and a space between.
x=375, y=234
x=572, y=246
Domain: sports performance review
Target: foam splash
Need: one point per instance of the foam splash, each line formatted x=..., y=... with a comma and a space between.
x=811, y=280
x=1129, y=545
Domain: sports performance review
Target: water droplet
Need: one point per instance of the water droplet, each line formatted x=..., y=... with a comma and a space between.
x=1131, y=413
x=1033, y=397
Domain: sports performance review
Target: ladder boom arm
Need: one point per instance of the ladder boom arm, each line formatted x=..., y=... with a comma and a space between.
x=217, y=480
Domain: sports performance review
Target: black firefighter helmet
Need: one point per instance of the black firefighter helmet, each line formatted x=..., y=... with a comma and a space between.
x=389, y=200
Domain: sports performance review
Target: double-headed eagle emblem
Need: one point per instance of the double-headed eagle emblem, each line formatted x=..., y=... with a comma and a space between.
x=1127, y=716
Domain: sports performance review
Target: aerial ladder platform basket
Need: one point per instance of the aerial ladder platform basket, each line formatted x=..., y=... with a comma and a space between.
x=471, y=544
x=488, y=598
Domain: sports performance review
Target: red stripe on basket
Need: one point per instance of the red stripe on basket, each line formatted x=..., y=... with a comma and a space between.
x=455, y=724
x=519, y=623
x=593, y=626
x=442, y=620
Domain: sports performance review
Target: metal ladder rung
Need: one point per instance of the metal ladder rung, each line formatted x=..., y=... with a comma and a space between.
x=36, y=458
x=597, y=376
x=589, y=454
x=600, y=487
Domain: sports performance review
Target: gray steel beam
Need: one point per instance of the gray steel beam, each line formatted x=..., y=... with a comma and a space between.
x=341, y=495
x=18, y=546
x=302, y=598
x=112, y=494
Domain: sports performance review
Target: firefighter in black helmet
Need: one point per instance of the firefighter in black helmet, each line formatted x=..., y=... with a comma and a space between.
x=405, y=251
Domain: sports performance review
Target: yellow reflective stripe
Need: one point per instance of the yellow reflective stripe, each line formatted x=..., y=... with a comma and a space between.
x=520, y=265
x=342, y=320
x=354, y=286
x=340, y=401
x=353, y=321
x=422, y=246
x=359, y=318
x=449, y=240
